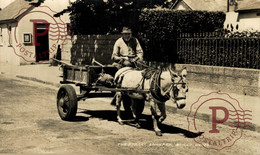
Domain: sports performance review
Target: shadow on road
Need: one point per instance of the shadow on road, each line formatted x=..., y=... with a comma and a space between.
x=79, y=119
x=145, y=120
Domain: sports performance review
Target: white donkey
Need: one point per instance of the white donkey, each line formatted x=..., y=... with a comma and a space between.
x=162, y=86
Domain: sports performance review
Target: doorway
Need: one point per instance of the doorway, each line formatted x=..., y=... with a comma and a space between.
x=42, y=42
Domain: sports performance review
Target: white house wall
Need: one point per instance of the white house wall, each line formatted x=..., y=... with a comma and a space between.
x=4, y=3
x=4, y=43
x=25, y=26
x=181, y=6
x=245, y=21
x=7, y=54
x=249, y=21
x=231, y=19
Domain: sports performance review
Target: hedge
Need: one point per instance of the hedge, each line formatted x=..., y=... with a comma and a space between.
x=158, y=29
x=99, y=17
x=155, y=29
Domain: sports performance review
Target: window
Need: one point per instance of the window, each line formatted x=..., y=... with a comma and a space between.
x=1, y=36
x=10, y=39
x=27, y=38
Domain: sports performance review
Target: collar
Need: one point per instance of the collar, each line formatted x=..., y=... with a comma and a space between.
x=156, y=90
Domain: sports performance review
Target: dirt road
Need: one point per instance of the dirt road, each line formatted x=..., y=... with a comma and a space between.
x=29, y=123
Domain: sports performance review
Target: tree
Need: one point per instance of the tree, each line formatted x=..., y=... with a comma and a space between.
x=101, y=17
x=35, y=3
x=105, y=16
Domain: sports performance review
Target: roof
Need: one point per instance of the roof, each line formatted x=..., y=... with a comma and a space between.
x=205, y=5
x=249, y=6
x=12, y=9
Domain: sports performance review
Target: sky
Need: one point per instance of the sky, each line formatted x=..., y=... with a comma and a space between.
x=4, y=3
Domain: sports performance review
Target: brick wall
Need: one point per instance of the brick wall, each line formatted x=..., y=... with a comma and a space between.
x=86, y=47
x=66, y=47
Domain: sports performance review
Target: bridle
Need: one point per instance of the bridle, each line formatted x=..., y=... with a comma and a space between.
x=172, y=86
x=175, y=88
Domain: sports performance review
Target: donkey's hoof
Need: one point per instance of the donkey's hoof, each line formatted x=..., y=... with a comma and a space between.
x=138, y=126
x=158, y=133
x=120, y=122
x=161, y=119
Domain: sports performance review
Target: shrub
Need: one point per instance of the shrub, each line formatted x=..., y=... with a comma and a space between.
x=155, y=29
x=158, y=29
x=99, y=17
x=243, y=34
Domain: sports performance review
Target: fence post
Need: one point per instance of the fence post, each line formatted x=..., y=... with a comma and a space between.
x=258, y=53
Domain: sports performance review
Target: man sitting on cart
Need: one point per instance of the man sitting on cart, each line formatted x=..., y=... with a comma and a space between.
x=127, y=51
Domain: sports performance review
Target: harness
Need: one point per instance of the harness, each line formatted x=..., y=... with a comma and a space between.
x=156, y=91
x=120, y=77
x=156, y=88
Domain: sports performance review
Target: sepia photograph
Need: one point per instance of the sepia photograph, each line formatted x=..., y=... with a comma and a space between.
x=130, y=77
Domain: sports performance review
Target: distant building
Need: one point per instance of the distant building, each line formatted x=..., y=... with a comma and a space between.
x=240, y=14
x=30, y=33
x=205, y=5
x=249, y=17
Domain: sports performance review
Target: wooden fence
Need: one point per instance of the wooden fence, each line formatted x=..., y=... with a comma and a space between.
x=217, y=49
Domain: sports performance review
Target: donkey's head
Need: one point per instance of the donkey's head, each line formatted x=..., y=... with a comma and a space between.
x=179, y=87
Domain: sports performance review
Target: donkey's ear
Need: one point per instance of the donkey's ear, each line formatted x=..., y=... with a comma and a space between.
x=183, y=72
x=173, y=74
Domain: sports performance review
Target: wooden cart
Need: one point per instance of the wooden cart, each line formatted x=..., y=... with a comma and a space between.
x=86, y=77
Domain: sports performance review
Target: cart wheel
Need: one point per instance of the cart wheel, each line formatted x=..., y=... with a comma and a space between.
x=67, y=102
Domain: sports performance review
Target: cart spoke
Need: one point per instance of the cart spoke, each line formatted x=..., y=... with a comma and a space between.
x=66, y=98
x=67, y=102
x=64, y=102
